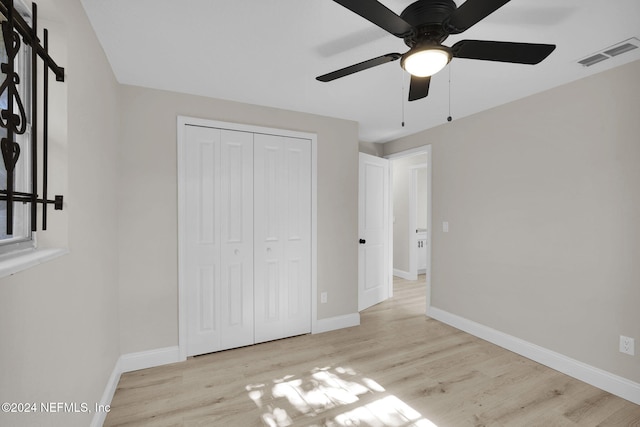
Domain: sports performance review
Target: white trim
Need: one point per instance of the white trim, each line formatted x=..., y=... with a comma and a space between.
x=99, y=417
x=337, y=322
x=149, y=359
x=389, y=217
x=314, y=233
x=411, y=152
x=182, y=294
x=241, y=127
x=404, y=274
x=429, y=225
x=390, y=220
x=596, y=377
x=183, y=121
x=22, y=260
x=419, y=165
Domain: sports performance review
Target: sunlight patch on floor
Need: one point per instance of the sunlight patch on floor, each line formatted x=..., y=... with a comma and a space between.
x=331, y=397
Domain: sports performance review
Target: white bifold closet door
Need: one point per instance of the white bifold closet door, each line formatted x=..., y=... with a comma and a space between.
x=248, y=246
x=282, y=257
x=219, y=256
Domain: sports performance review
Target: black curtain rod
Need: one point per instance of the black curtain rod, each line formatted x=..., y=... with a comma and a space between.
x=25, y=31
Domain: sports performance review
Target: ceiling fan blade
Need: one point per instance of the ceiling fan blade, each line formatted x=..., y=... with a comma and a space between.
x=519, y=53
x=377, y=13
x=419, y=87
x=471, y=12
x=359, y=67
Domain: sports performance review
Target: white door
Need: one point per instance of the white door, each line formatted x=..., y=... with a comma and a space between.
x=374, y=279
x=282, y=243
x=218, y=241
x=236, y=223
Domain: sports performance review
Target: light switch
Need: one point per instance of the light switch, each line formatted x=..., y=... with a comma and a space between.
x=445, y=226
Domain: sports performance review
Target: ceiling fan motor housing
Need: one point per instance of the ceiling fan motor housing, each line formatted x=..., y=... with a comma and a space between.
x=428, y=17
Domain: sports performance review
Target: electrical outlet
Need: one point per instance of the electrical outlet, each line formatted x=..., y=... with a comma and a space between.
x=445, y=226
x=627, y=345
x=323, y=297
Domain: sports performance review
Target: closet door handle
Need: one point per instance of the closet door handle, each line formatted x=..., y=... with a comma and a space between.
x=362, y=241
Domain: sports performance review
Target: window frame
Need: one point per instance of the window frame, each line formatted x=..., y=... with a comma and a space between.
x=22, y=172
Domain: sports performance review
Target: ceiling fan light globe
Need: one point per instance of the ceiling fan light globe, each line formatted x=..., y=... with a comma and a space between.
x=426, y=62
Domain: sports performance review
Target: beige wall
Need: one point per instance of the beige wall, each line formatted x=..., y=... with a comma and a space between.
x=543, y=205
x=148, y=207
x=59, y=333
x=371, y=148
x=542, y=197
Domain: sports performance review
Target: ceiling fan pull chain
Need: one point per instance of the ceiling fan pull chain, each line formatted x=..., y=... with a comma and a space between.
x=402, y=94
x=449, y=116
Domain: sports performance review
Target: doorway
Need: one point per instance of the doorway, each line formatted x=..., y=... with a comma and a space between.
x=411, y=215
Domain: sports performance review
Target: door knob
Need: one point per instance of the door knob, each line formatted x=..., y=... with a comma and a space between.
x=362, y=241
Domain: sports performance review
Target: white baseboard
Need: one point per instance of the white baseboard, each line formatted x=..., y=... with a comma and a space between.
x=149, y=359
x=596, y=377
x=133, y=362
x=404, y=274
x=337, y=322
x=100, y=416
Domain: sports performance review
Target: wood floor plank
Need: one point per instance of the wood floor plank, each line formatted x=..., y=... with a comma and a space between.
x=398, y=368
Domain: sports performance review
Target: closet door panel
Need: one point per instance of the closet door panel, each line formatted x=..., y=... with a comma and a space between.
x=282, y=243
x=202, y=263
x=236, y=221
x=297, y=247
x=268, y=236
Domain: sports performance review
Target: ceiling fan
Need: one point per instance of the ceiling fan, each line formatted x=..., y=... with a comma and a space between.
x=424, y=25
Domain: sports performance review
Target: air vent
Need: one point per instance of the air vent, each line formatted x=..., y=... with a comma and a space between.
x=620, y=49
x=610, y=52
x=587, y=62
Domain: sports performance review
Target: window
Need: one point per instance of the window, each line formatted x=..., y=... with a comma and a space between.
x=22, y=237
x=21, y=176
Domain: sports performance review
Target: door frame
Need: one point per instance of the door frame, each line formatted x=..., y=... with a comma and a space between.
x=182, y=122
x=425, y=149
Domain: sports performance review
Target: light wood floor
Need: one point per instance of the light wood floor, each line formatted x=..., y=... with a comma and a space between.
x=399, y=368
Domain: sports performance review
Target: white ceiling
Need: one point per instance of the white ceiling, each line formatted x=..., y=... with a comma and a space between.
x=268, y=52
